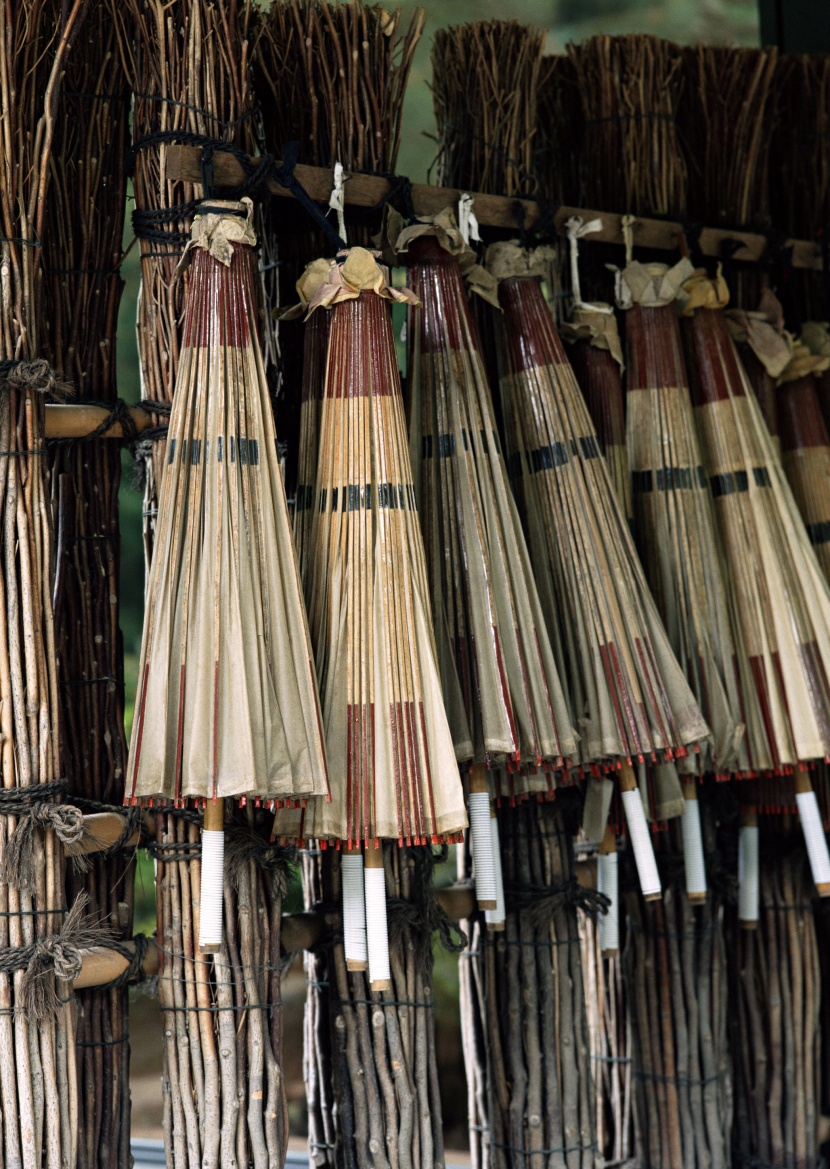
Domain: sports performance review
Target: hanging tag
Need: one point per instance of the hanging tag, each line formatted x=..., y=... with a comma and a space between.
x=576, y=228
x=467, y=222
x=337, y=199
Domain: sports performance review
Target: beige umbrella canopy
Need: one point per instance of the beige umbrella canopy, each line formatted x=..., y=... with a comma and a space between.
x=477, y=559
x=227, y=699
x=629, y=695
x=393, y=763
x=674, y=524
x=783, y=601
x=595, y=353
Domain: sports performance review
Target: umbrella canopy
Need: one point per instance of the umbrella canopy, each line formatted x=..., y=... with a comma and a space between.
x=628, y=692
x=805, y=447
x=392, y=757
x=674, y=524
x=227, y=700
x=783, y=601
x=477, y=559
x=595, y=354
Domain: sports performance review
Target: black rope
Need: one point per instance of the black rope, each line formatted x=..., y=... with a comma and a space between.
x=17, y=801
x=104, y=1042
x=186, y=105
x=32, y=912
x=147, y=224
x=592, y=1147
x=184, y=850
x=657, y=116
x=269, y=1007
x=132, y=823
x=134, y=970
x=398, y=196
x=118, y=413
x=690, y=1083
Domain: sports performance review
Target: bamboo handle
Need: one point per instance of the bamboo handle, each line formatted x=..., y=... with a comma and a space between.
x=377, y=936
x=212, y=895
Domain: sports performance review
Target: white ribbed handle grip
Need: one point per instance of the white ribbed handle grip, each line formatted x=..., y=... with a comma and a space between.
x=693, y=850
x=495, y=917
x=815, y=840
x=354, y=911
x=485, y=865
x=640, y=839
x=748, y=873
x=211, y=896
x=377, y=938
x=608, y=883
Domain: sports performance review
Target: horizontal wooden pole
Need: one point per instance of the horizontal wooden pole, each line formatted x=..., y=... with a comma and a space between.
x=72, y=421
x=102, y=831
x=102, y=966
x=184, y=164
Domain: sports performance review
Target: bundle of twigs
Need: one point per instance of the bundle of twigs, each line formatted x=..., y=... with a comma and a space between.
x=523, y=1011
x=38, y=1075
x=726, y=119
x=631, y=160
x=188, y=66
x=776, y=986
x=560, y=131
x=224, y=1100
x=370, y=1068
x=82, y=249
x=609, y=1032
x=332, y=77
x=800, y=175
x=485, y=92
x=677, y=989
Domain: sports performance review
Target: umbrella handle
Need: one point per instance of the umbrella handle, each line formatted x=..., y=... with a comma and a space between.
x=639, y=835
x=495, y=918
x=813, y=830
x=211, y=897
x=748, y=877
x=482, y=834
x=693, y=861
x=354, y=909
x=608, y=883
x=377, y=937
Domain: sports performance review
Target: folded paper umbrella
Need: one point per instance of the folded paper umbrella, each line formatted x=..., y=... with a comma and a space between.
x=227, y=701
x=674, y=522
x=477, y=561
x=392, y=757
x=805, y=446
x=629, y=695
x=784, y=598
x=595, y=353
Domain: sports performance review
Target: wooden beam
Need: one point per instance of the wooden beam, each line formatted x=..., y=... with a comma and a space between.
x=102, y=966
x=80, y=421
x=102, y=831
x=183, y=163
